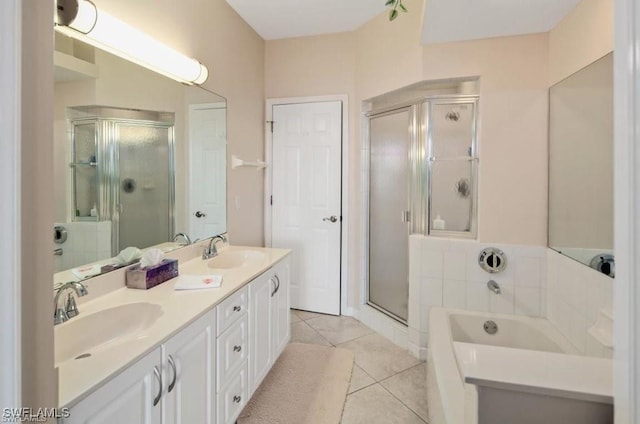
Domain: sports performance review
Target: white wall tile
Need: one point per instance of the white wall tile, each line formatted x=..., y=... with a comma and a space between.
x=528, y=272
x=454, y=294
x=455, y=265
x=432, y=263
x=527, y=301
x=504, y=302
x=431, y=292
x=477, y=296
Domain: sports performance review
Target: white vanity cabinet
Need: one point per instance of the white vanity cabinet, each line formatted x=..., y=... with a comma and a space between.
x=188, y=363
x=232, y=356
x=133, y=396
x=268, y=321
x=184, y=364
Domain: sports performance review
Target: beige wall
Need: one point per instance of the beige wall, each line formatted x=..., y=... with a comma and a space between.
x=39, y=384
x=584, y=35
x=213, y=33
x=513, y=110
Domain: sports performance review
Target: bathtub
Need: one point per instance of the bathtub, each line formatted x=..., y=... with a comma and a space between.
x=476, y=377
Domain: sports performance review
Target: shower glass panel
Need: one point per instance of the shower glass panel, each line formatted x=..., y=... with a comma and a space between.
x=452, y=166
x=389, y=168
x=451, y=197
x=144, y=184
x=85, y=174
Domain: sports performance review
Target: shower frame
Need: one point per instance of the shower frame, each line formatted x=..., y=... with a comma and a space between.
x=421, y=166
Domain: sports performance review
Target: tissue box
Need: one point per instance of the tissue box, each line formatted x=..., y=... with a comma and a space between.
x=146, y=278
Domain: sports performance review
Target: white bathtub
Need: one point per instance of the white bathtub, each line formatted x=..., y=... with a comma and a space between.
x=526, y=355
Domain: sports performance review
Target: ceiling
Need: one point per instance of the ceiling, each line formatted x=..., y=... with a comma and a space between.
x=274, y=19
x=457, y=20
x=443, y=21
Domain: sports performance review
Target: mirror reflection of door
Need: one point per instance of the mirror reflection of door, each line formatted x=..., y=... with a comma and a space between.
x=207, y=172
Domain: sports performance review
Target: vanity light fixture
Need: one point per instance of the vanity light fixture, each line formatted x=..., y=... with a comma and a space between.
x=81, y=19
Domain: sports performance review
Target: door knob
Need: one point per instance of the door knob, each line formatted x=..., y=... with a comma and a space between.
x=332, y=218
x=200, y=214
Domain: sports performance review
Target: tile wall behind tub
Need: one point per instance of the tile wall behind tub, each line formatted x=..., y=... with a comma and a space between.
x=86, y=242
x=575, y=296
x=445, y=272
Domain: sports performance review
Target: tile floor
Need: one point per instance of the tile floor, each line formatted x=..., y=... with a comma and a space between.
x=388, y=385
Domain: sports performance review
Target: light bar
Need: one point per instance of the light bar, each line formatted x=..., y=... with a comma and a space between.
x=81, y=19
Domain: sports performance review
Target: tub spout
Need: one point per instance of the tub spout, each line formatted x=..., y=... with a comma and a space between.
x=494, y=287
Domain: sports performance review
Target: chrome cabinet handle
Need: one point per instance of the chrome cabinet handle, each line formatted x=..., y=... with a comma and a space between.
x=332, y=218
x=172, y=364
x=199, y=214
x=278, y=282
x=237, y=348
x=275, y=288
x=237, y=399
x=156, y=371
x=237, y=308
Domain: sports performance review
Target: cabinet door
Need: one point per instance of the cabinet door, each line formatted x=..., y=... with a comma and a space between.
x=281, y=330
x=134, y=396
x=260, y=293
x=189, y=374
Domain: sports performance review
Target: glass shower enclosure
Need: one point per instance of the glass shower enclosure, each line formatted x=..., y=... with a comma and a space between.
x=422, y=164
x=123, y=172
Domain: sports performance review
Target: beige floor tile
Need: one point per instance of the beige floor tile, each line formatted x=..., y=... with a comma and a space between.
x=294, y=318
x=378, y=357
x=339, y=329
x=374, y=404
x=301, y=332
x=305, y=315
x=410, y=386
x=359, y=379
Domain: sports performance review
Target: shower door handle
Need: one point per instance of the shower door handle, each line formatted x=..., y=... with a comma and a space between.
x=332, y=218
x=406, y=216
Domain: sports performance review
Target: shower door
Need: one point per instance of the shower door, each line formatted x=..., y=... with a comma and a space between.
x=144, y=186
x=390, y=140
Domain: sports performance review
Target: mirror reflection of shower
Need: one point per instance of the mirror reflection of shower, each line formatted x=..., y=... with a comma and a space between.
x=122, y=159
x=422, y=179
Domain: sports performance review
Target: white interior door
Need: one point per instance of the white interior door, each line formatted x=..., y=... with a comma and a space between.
x=207, y=171
x=306, y=206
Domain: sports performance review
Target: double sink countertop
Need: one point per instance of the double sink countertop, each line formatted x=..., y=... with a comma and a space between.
x=123, y=325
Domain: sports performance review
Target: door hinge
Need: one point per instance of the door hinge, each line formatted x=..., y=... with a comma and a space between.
x=271, y=200
x=271, y=124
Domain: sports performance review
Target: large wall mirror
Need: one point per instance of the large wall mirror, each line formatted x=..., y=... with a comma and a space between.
x=581, y=166
x=138, y=158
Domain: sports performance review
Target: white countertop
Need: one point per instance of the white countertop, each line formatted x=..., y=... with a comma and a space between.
x=78, y=378
x=556, y=374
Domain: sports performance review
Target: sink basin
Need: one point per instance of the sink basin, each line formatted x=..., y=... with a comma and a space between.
x=234, y=259
x=85, y=335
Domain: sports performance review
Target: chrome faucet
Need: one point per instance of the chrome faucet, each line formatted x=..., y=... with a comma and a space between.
x=70, y=310
x=184, y=236
x=212, y=250
x=494, y=287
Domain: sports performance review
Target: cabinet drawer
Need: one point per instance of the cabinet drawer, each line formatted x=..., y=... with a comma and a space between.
x=232, y=309
x=232, y=351
x=233, y=397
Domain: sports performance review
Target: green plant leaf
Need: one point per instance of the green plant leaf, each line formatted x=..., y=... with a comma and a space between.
x=390, y=2
x=404, y=9
x=393, y=14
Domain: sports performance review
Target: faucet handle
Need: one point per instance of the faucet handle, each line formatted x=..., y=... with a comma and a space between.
x=71, y=309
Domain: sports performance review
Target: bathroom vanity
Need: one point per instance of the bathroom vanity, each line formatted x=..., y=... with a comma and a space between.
x=168, y=356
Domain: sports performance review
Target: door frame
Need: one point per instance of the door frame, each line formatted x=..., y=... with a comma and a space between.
x=10, y=170
x=344, y=228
